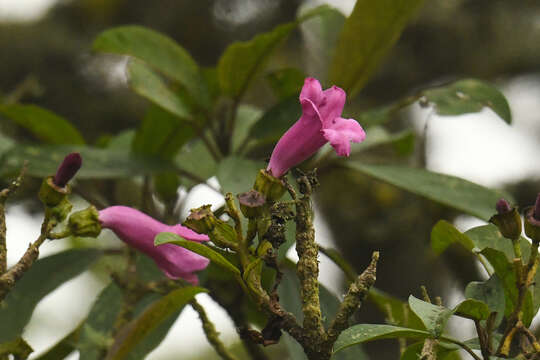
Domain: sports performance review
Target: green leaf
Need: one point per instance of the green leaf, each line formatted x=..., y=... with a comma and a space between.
x=242, y=61
x=96, y=332
x=361, y=333
x=43, y=124
x=44, y=276
x=5, y=144
x=98, y=163
x=444, y=234
x=286, y=82
x=489, y=236
x=491, y=292
x=203, y=250
x=148, y=84
x=433, y=316
x=16, y=349
x=237, y=175
x=62, y=348
x=271, y=126
x=467, y=96
x=158, y=51
x=452, y=191
x=154, y=315
x=246, y=117
x=195, y=158
x=472, y=309
x=400, y=311
x=161, y=134
x=369, y=32
x=505, y=271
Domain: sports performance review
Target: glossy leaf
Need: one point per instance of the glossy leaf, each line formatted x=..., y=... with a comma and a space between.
x=472, y=309
x=361, y=333
x=242, y=61
x=43, y=124
x=433, y=316
x=44, y=276
x=444, y=234
x=158, y=51
x=491, y=292
x=148, y=84
x=203, y=250
x=161, y=134
x=467, y=96
x=237, y=175
x=159, y=311
x=368, y=34
x=246, y=117
x=196, y=159
x=98, y=163
x=96, y=332
x=275, y=121
x=448, y=190
x=488, y=236
x=286, y=82
x=505, y=271
x=400, y=310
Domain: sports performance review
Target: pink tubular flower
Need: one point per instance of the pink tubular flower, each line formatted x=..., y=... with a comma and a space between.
x=138, y=230
x=320, y=123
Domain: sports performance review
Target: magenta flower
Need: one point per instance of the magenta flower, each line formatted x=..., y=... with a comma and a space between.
x=321, y=122
x=139, y=230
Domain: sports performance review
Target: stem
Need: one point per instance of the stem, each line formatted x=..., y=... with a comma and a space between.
x=195, y=178
x=210, y=331
x=429, y=350
x=462, y=345
x=209, y=145
x=483, y=339
x=8, y=279
x=3, y=230
x=353, y=300
x=308, y=265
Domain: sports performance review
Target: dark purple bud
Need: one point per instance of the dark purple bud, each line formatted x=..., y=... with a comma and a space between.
x=536, y=213
x=503, y=206
x=67, y=170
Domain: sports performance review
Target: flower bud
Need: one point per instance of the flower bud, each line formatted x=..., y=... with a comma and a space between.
x=251, y=203
x=55, y=188
x=507, y=220
x=271, y=187
x=532, y=221
x=67, y=170
x=85, y=223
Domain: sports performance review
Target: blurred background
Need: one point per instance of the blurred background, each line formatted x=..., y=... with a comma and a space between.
x=46, y=59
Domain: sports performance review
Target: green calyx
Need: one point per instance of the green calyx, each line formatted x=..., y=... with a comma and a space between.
x=532, y=225
x=203, y=221
x=85, y=223
x=271, y=187
x=50, y=194
x=509, y=224
x=251, y=203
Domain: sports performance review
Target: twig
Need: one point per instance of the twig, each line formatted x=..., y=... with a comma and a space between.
x=353, y=300
x=3, y=197
x=462, y=345
x=8, y=279
x=210, y=331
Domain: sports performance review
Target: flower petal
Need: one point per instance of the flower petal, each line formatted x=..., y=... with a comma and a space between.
x=312, y=91
x=301, y=141
x=332, y=104
x=341, y=132
x=188, y=234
